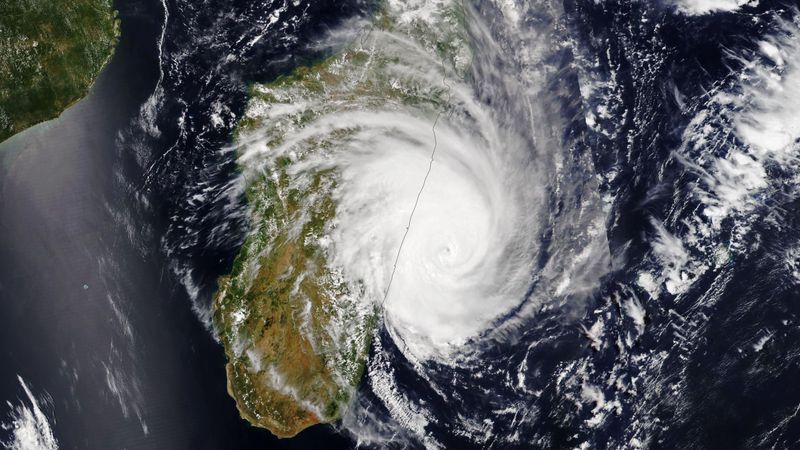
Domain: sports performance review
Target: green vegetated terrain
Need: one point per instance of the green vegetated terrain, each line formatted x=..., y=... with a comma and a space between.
x=296, y=335
x=51, y=51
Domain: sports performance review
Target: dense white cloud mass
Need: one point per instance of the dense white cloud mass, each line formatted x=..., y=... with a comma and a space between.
x=29, y=426
x=700, y=7
x=468, y=254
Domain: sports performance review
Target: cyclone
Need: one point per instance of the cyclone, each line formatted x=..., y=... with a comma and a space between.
x=445, y=250
x=439, y=195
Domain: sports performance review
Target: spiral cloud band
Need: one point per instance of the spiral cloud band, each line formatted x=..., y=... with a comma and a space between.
x=439, y=194
x=466, y=256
